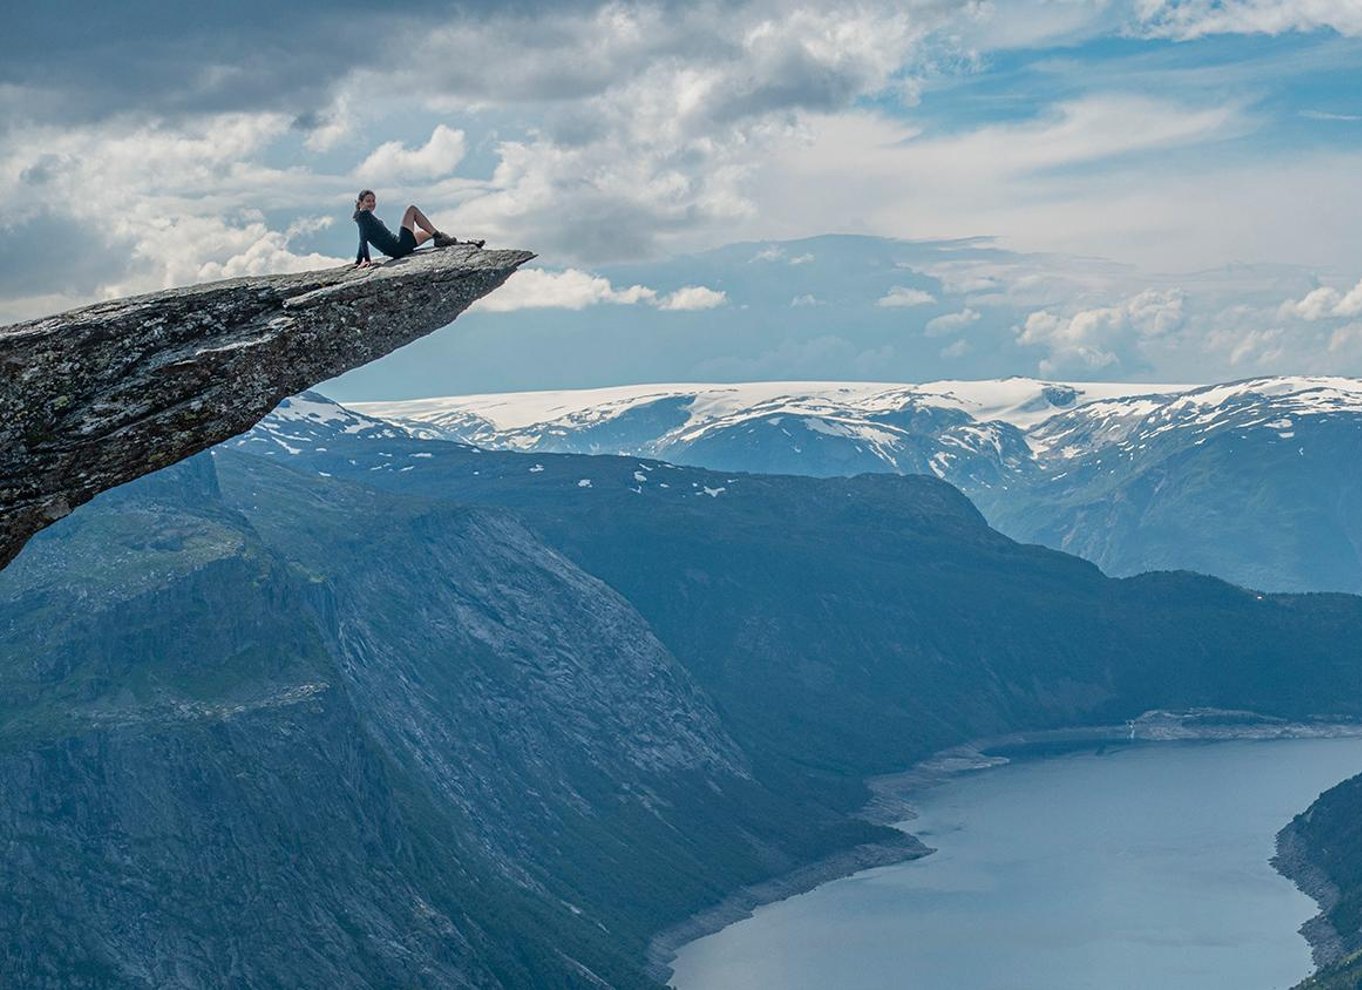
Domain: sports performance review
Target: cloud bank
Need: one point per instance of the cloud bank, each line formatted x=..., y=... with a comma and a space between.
x=1092, y=142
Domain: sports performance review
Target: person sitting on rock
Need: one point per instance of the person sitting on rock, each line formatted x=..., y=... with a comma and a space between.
x=374, y=231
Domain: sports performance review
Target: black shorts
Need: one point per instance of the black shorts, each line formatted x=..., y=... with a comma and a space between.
x=406, y=244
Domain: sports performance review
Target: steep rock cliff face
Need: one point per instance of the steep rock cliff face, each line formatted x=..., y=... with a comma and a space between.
x=98, y=396
x=265, y=728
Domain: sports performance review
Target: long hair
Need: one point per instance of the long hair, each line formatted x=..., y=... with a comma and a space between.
x=359, y=199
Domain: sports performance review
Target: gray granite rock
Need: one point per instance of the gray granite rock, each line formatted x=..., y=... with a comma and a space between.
x=95, y=397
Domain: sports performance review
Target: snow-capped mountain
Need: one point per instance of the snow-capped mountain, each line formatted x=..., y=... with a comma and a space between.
x=1269, y=403
x=1257, y=481
x=536, y=420
x=969, y=433
x=303, y=421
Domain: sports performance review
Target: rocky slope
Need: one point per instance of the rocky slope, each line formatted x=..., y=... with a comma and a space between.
x=98, y=396
x=288, y=731
x=337, y=706
x=1256, y=482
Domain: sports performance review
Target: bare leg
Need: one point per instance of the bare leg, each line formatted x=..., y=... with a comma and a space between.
x=414, y=218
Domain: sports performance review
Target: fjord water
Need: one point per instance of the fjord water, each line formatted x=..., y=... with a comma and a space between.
x=1142, y=866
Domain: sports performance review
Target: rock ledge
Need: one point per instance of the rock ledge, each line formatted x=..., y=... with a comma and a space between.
x=95, y=397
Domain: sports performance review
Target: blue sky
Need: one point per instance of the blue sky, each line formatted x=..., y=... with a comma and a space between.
x=1149, y=189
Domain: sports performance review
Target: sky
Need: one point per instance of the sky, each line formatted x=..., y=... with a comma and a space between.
x=1138, y=190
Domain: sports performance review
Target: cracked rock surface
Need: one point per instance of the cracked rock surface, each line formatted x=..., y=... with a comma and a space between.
x=94, y=397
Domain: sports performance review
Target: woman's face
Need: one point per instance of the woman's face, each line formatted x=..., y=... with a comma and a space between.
x=368, y=202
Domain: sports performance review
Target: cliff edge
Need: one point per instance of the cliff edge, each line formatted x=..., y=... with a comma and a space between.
x=94, y=397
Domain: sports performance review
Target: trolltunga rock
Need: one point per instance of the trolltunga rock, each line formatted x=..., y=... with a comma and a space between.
x=95, y=397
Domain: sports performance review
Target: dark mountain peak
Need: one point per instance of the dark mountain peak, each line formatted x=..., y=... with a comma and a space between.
x=95, y=397
x=1061, y=396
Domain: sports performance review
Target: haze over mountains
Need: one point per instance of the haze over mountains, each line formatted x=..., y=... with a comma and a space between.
x=1255, y=481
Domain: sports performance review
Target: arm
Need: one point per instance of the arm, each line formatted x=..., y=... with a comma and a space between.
x=362, y=258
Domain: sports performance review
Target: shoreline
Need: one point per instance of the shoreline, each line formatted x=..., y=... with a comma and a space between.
x=891, y=794
x=1292, y=861
x=740, y=904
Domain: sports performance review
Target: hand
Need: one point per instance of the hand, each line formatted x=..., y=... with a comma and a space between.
x=364, y=263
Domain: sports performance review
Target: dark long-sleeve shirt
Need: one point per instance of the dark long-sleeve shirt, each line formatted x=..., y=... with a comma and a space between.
x=374, y=231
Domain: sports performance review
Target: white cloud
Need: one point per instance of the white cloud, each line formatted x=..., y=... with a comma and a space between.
x=1027, y=280
x=660, y=113
x=1326, y=115
x=304, y=226
x=263, y=252
x=957, y=349
x=902, y=296
x=572, y=288
x=1250, y=349
x=1088, y=129
x=807, y=299
x=693, y=297
x=1188, y=19
x=1062, y=180
x=535, y=288
x=1351, y=303
x=393, y=161
x=776, y=253
x=1324, y=303
x=1316, y=305
x=1346, y=340
x=1104, y=337
x=1065, y=183
x=175, y=203
x=332, y=127
x=950, y=323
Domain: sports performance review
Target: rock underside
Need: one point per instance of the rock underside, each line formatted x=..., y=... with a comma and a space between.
x=95, y=397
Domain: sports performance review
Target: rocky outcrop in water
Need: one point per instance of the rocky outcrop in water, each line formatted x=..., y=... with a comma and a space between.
x=95, y=397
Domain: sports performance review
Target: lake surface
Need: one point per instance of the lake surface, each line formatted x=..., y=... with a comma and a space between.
x=1145, y=866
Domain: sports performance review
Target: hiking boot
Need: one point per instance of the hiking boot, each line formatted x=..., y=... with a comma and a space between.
x=441, y=239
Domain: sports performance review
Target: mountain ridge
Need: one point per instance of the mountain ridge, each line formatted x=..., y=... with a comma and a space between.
x=1118, y=473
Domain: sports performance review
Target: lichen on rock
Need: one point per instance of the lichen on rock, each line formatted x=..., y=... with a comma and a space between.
x=94, y=397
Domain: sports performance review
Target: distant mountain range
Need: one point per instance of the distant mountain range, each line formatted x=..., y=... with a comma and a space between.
x=1258, y=481
x=338, y=706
